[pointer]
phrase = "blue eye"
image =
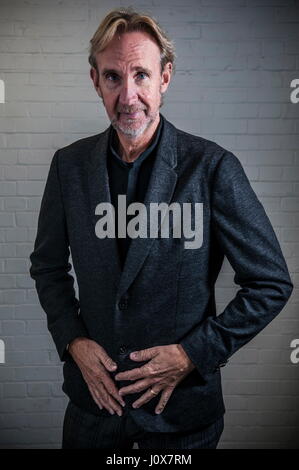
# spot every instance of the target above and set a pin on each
(113, 77)
(142, 75)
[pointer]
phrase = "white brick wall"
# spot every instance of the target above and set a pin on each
(236, 59)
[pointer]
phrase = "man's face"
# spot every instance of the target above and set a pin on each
(130, 82)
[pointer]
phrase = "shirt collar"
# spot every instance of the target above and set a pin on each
(113, 145)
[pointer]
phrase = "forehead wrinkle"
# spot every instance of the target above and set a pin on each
(141, 43)
(134, 53)
(131, 64)
(128, 56)
(142, 46)
(125, 55)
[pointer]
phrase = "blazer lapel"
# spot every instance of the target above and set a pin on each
(160, 189)
(99, 191)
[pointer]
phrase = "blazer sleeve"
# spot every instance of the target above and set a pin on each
(50, 267)
(248, 240)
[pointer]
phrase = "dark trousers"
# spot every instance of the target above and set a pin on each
(82, 430)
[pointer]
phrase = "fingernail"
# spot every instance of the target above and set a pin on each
(111, 412)
(119, 412)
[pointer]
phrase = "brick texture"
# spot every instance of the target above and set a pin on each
(236, 59)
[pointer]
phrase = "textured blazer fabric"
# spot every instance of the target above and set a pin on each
(165, 293)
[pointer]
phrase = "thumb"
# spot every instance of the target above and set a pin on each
(107, 362)
(143, 354)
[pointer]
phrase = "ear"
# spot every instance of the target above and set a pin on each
(166, 77)
(94, 75)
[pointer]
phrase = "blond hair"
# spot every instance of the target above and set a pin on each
(124, 20)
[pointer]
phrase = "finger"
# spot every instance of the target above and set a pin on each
(106, 360)
(100, 395)
(136, 387)
(105, 398)
(109, 401)
(114, 405)
(144, 354)
(134, 374)
(165, 395)
(104, 377)
(146, 397)
(95, 396)
(111, 388)
(92, 389)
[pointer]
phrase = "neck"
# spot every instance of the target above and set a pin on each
(130, 149)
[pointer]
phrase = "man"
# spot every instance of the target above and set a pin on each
(149, 295)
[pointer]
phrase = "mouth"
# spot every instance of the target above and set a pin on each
(134, 115)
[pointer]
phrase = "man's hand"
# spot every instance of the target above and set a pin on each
(167, 367)
(94, 363)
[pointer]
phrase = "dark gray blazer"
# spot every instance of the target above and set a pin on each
(165, 294)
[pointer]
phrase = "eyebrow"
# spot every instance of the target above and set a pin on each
(135, 69)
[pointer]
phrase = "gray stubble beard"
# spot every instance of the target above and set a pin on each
(131, 132)
(134, 133)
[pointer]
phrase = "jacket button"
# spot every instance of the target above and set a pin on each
(122, 350)
(123, 304)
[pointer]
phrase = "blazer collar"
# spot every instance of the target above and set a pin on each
(161, 187)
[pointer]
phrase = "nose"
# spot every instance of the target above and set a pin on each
(128, 93)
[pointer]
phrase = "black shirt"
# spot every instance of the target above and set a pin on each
(129, 178)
